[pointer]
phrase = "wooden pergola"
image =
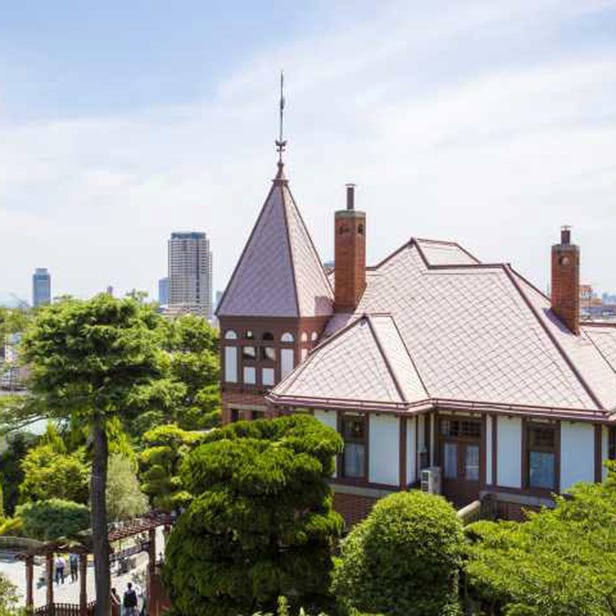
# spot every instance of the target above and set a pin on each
(28, 549)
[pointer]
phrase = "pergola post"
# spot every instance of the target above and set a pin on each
(83, 588)
(49, 577)
(152, 551)
(29, 584)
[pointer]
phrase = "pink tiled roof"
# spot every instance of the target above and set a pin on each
(476, 334)
(279, 273)
(365, 361)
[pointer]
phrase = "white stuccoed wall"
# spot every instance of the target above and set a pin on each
(384, 438)
(577, 453)
(489, 478)
(411, 454)
(329, 418)
(509, 452)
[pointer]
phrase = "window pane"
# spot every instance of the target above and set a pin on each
(542, 437)
(268, 353)
(250, 375)
(471, 462)
(230, 335)
(354, 428)
(611, 454)
(287, 337)
(450, 460)
(230, 364)
(267, 336)
(249, 352)
(541, 470)
(286, 362)
(249, 334)
(470, 428)
(354, 460)
(267, 376)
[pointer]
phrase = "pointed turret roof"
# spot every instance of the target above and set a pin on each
(279, 273)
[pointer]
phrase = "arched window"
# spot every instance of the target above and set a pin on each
(304, 337)
(230, 335)
(249, 334)
(360, 229)
(267, 336)
(287, 337)
(314, 336)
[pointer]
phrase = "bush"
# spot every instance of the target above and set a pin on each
(53, 519)
(403, 560)
(261, 524)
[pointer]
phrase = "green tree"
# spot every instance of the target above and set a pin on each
(51, 474)
(11, 471)
(86, 358)
(188, 394)
(124, 496)
(166, 447)
(8, 597)
(53, 519)
(261, 524)
(403, 559)
(559, 562)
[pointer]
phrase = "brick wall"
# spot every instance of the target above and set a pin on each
(243, 401)
(353, 508)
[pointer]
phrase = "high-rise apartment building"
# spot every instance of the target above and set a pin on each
(190, 274)
(41, 286)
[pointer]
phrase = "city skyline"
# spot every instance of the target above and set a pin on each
(492, 127)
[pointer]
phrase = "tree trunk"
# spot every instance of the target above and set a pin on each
(100, 539)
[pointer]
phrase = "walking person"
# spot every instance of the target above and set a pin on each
(130, 601)
(60, 564)
(73, 563)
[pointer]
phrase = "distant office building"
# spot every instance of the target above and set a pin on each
(41, 286)
(163, 291)
(190, 273)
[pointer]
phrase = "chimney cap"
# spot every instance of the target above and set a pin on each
(565, 234)
(350, 196)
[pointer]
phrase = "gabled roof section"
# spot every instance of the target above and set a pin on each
(445, 253)
(279, 273)
(364, 363)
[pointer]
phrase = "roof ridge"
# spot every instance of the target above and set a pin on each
(291, 255)
(510, 274)
(390, 369)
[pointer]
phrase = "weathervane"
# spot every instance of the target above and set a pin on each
(281, 144)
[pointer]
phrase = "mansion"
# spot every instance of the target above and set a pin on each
(429, 360)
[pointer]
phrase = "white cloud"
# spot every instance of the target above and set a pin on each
(446, 135)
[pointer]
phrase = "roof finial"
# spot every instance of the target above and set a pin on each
(281, 144)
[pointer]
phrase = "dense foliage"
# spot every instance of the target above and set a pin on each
(53, 519)
(165, 448)
(261, 524)
(49, 473)
(559, 562)
(11, 471)
(187, 393)
(403, 559)
(125, 499)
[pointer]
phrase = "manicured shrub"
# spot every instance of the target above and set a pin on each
(261, 525)
(403, 560)
(53, 519)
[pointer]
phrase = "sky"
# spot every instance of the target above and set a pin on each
(488, 123)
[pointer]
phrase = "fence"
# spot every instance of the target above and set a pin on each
(64, 609)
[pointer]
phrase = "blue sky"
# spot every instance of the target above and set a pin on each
(491, 123)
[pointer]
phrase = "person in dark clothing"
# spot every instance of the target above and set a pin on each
(73, 562)
(130, 601)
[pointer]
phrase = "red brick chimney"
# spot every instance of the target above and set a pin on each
(350, 254)
(566, 281)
